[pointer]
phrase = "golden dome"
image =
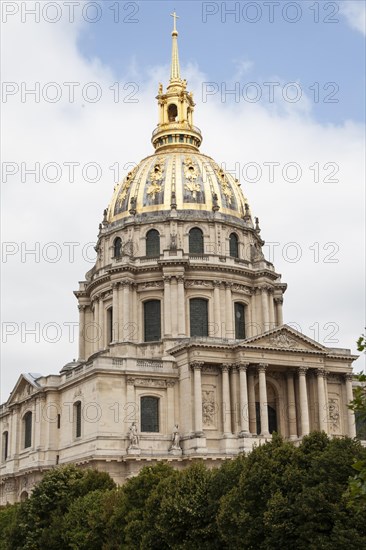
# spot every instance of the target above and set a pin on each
(177, 177)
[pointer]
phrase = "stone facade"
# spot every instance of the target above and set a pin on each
(209, 390)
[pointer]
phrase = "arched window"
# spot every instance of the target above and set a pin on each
(152, 243)
(172, 112)
(239, 313)
(198, 315)
(5, 445)
(27, 420)
(149, 414)
(234, 245)
(77, 418)
(117, 247)
(196, 241)
(152, 321)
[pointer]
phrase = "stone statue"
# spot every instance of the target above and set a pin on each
(133, 436)
(175, 439)
(160, 91)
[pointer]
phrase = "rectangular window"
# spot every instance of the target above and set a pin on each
(239, 321)
(5, 445)
(149, 414)
(77, 412)
(28, 430)
(198, 313)
(152, 322)
(58, 421)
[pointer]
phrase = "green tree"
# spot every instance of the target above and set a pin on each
(39, 519)
(293, 497)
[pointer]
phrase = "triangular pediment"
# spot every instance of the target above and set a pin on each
(24, 388)
(284, 338)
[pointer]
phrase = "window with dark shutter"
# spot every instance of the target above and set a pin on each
(118, 248)
(234, 245)
(152, 243)
(77, 418)
(198, 314)
(5, 445)
(27, 430)
(149, 414)
(239, 321)
(196, 241)
(152, 321)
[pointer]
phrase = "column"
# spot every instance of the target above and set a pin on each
(244, 404)
(226, 408)
(323, 411)
(248, 320)
(229, 312)
(350, 412)
(115, 327)
(173, 306)
(265, 310)
(97, 331)
(251, 403)
(217, 316)
(81, 333)
(126, 310)
(235, 405)
(131, 405)
(181, 308)
(167, 307)
(291, 411)
(304, 407)
(263, 404)
(197, 398)
(101, 331)
(279, 302)
(272, 319)
(120, 313)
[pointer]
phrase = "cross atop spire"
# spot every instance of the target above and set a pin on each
(175, 17)
(175, 69)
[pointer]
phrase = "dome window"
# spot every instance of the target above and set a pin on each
(234, 245)
(172, 112)
(117, 247)
(153, 243)
(196, 241)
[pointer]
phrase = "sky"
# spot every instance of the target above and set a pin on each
(280, 93)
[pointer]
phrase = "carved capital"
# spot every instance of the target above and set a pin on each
(348, 376)
(130, 381)
(180, 279)
(278, 300)
(196, 365)
(242, 366)
(167, 279)
(217, 284)
(302, 371)
(262, 367)
(321, 373)
(226, 367)
(81, 308)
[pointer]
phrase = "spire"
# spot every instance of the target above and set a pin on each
(175, 129)
(175, 70)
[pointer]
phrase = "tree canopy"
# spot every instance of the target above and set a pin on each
(278, 496)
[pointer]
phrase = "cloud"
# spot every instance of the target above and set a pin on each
(355, 13)
(321, 219)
